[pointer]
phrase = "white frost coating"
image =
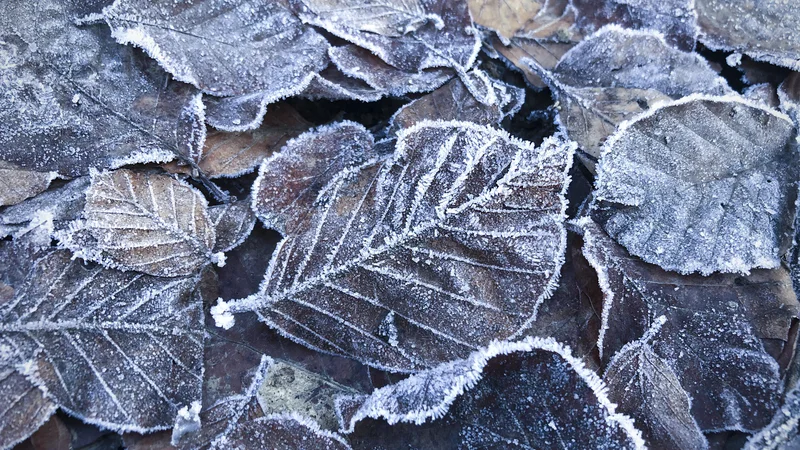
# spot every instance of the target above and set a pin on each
(143, 156)
(223, 441)
(462, 376)
(186, 421)
(602, 279)
(648, 336)
(222, 315)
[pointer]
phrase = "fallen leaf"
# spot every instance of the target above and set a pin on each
(232, 223)
(26, 408)
(789, 96)
(17, 184)
(56, 208)
(53, 435)
(151, 223)
(333, 84)
(782, 431)
(702, 184)
(281, 431)
(401, 262)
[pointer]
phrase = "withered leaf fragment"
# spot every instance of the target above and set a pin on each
(25, 407)
(415, 259)
(532, 394)
(150, 223)
(713, 336)
(703, 184)
(75, 99)
(118, 349)
(17, 184)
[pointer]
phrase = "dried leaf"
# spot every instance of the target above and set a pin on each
(56, 207)
(25, 407)
(17, 184)
(519, 51)
(703, 184)
(763, 30)
(402, 262)
(75, 99)
(387, 18)
(489, 401)
(281, 431)
(333, 84)
(232, 223)
(150, 223)
(121, 350)
(643, 386)
(713, 333)
(223, 48)
(505, 17)
(782, 432)
(441, 35)
(53, 435)
(789, 96)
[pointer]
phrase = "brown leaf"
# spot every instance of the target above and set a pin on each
(281, 431)
(25, 406)
(17, 184)
(232, 223)
(541, 20)
(53, 435)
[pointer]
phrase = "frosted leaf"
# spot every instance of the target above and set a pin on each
(390, 18)
(75, 99)
(232, 223)
(765, 31)
(287, 431)
(676, 19)
(60, 205)
(490, 400)
(715, 331)
(442, 36)
(764, 93)
(116, 349)
(454, 101)
(25, 407)
(17, 184)
(359, 63)
(545, 53)
(461, 227)
(643, 386)
(223, 48)
(150, 223)
(542, 20)
(789, 95)
(703, 184)
(616, 74)
(333, 84)
(782, 433)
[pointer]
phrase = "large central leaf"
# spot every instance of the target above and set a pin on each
(416, 259)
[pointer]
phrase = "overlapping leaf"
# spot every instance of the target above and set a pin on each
(531, 394)
(782, 432)
(704, 184)
(713, 332)
(402, 262)
(150, 223)
(17, 184)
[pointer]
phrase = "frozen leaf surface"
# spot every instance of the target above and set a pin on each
(644, 386)
(150, 223)
(17, 184)
(281, 431)
(441, 36)
(703, 184)
(223, 48)
(764, 30)
(232, 223)
(384, 17)
(75, 99)
(402, 262)
(714, 333)
(25, 407)
(783, 432)
(489, 401)
(58, 206)
(121, 350)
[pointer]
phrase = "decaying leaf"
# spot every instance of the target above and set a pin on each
(402, 262)
(223, 48)
(150, 223)
(75, 99)
(439, 35)
(121, 350)
(764, 30)
(17, 184)
(232, 223)
(702, 184)
(541, 20)
(713, 332)
(643, 386)
(783, 432)
(531, 394)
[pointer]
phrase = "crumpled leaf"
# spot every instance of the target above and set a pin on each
(763, 30)
(441, 36)
(616, 74)
(454, 101)
(75, 99)
(401, 262)
(703, 184)
(121, 350)
(223, 48)
(232, 223)
(333, 84)
(150, 223)
(643, 386)
(490, 400)
(17, 184)
(233, 154)
(714, 334)
(281, 431)
(782, 432)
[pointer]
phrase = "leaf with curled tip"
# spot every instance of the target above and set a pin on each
(439, 35)
(717, 328)
(117, 349)
(17, 184)
(532, 394)
(765, 31)
(281, 431)
(333, 84)
(250, 49)
(643, 386)
(150, 223)
(703, 184)
(75, 99)
(401, 262)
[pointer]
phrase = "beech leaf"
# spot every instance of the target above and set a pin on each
(232, 223)
(26, 407)
(401, 262)
(702, 184)
(150, 223)
(288, 431)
